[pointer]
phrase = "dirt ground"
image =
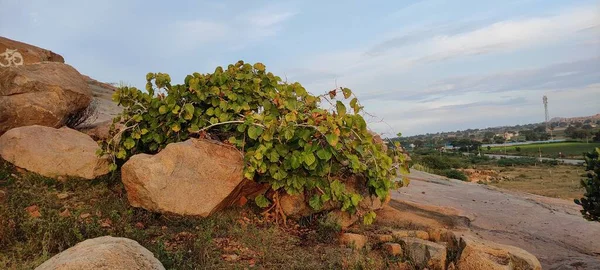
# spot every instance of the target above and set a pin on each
(551, 229)
(560, 181)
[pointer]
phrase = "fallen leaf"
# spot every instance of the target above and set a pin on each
(85, 215)
(230, 257)
(34, 211)
(139, 226)
(106, 223)
(62, 196)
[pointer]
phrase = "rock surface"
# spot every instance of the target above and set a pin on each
(53, 152)
(99, 131)
(195, 177)
(424, 253)
(41, 94)
(24, 54)
(481, 254)
(550, 229)
(106, 253)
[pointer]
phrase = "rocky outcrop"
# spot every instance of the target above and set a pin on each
(425, 254)
(195, 177)
(99, 131)
(41, 94)
(53, 152)
(14, 53)
(104, 253)
(481, 254)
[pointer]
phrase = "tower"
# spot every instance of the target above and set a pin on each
(547, 119)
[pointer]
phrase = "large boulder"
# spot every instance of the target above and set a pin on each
(194, 177)
(15, 53)
(103, 253)
(480, 254)
(45, 94)
(53, 152)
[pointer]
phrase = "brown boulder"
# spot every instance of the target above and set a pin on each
(392, 249)
(480, 254)
(295, 206)
(53, 152)
(15, 53)
(194, 177)
(41, 94)
(105, 253)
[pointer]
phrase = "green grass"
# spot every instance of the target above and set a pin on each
(99, 207)
(550, 150)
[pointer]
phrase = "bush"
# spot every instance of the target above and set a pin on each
(591, 198)
(288, 139)
(454, 174)
(504, 162)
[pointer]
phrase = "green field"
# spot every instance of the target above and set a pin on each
(551, 150)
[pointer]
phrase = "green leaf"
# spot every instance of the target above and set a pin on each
(254, 132)
(189, 111)
(309, 158)
(259, 67)
(341, 108)
(129, 143)
(176, 127)
(112, 167)
(332, 139)
(262, 201)
(176, 109)
(347, 92)
(324, 154)
(315, 202)
(369, 218)
(138, 118)
(163, 109)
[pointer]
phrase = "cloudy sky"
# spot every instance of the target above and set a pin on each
(419, 66)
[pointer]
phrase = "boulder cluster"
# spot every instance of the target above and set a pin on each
(39, 94)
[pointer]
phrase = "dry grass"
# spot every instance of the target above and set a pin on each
(100, 207)
(560, 181)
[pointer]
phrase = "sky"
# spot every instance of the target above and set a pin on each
(416, 66)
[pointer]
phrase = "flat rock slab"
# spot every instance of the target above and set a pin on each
(104, 253)
(53, 152)
(551, 229)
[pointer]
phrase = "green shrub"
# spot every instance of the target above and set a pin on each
(517, 162)
(591, 198)
(455, 174)
(288, 139)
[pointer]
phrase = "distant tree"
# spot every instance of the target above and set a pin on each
(586, 126)
(418, 143)
(554, 125)
(591, 198)
(530, 135)
(489, 148)
(540, 129)
(489, 134)
(569, 131)
(597, 137)
(518, 149)
(544, 136)
(563, 124)
(577, 124)
(486, 140)
(499, 139)
(587, 121)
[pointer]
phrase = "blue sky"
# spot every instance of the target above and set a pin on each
(418, 66)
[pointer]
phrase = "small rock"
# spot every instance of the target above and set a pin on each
(392, 249)
(65, 213)
(356, 241)
(62, 196)
(384, 238)
(34, 211)
(402, 266)
(480, 254)
(106, 223)
(230, 257)
(140, 226)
